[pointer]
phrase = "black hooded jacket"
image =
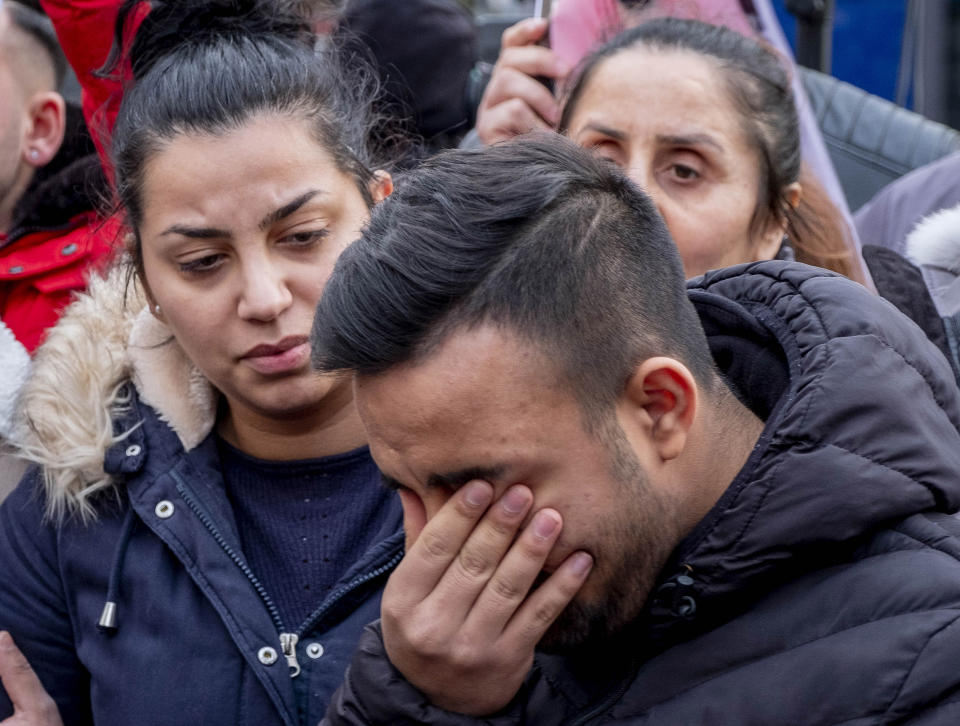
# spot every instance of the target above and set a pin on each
(824, 585)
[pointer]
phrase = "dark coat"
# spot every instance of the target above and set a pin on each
(824, 586)
(192, 621)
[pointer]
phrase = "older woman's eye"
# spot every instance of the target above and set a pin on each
(604, 149)
(684, 172)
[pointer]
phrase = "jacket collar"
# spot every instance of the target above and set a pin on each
(54, 202)
(158, 367)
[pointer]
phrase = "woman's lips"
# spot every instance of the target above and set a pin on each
(288, 355)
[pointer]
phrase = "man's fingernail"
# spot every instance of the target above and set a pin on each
(478, 494)
(581, 563)
(5, 640)
(545, 524)
(514, 501)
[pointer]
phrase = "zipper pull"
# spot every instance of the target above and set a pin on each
(288, 642)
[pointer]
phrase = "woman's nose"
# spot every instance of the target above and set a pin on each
(265, 293)
(647, 183)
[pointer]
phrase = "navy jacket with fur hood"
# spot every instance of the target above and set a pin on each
(130, 507)
(824, 586)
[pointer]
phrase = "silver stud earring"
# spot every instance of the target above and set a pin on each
(34, 154)
(156, 309)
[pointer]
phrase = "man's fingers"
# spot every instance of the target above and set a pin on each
(511, 583)
(511, 84)
(481, 554)
(526, 32)
(24, 689)
(440, 542)
(541, 609)
(414, 516)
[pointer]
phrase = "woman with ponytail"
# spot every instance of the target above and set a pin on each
(703, 119)
(203, 534)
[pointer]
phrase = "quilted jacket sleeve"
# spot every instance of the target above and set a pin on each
(32, 603)
(374, 692)
(930, 692)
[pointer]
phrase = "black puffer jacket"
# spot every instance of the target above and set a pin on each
(824, 586)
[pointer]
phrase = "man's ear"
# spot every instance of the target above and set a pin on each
(47, 117)
(381, 186)
(661, 398)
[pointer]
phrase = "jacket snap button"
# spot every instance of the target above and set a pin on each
(267, 656)
(69, 249)
(314, 650)
(164, 509)
(133, 450)
(15, 270)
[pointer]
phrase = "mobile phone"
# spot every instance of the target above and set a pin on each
(541, 9)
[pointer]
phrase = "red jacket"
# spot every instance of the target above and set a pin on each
(49, 257)
(40, 271)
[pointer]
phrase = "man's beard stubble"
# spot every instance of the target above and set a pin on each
(629, 554)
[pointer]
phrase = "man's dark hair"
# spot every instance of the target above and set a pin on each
(39, 28)
(537, 236)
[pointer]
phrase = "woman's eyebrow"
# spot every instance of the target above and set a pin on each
(287, 209)
(196, 232)
(606, 131)
(688, 140)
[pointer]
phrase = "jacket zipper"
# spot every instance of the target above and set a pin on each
(15, 235)
(348, 588)
(288, 641)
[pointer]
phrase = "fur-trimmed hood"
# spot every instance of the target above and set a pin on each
(77, 390)
(934, 246)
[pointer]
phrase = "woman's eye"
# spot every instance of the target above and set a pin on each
(607, 152)
(201, 265)
(684, 172)
(306, 238)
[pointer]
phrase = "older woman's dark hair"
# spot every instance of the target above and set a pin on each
(207, 67)
(759, 86)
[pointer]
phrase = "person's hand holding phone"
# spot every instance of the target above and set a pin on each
(515, 101)
(459, 619)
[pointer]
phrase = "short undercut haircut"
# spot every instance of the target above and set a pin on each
(536, 236)
(37, 28)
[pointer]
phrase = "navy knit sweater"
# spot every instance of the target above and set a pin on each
(303, 523)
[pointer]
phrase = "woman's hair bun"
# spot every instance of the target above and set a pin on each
(173, 24)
